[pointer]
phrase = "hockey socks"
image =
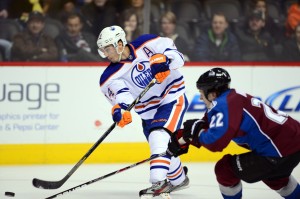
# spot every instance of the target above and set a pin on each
(231, 192)
(295, 194)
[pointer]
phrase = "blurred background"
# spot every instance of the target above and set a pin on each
(203, 30)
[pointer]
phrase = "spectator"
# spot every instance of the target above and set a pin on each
(98, 15)
(291, 49)
(128, 21)
(168, 29)
(256, 44)
(52, 7)
(293, 18)
(32, 44)
(82, 2)
(78, 45)
(16, 11)
(270, 25)
(6, 32)
(5, 49)
(3, 9)
(217, 43)
(60, 9)
(138, 7)
(68, 8)
(20, 9)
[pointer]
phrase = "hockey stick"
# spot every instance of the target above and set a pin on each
(43, 184)
(107, 175)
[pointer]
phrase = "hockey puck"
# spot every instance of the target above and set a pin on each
(10, 194)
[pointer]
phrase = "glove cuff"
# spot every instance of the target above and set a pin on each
(159, 59)
(114, 108)
(194, 130)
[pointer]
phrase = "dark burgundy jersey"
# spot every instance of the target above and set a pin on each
(249, 122)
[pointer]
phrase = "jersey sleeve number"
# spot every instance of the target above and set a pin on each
(216, 120)
(279, 117)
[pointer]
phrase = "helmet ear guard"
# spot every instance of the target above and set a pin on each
(216, 79)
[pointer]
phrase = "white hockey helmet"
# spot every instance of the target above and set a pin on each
(110, 36)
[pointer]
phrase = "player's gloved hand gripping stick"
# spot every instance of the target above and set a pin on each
(160, 67)
(56, 184)
(120, 118)
(182, 138)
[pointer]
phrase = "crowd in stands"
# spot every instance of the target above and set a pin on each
(203, 30)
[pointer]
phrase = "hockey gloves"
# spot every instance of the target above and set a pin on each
(121, 118)
(191, 131)
(177, 146)
(160, 67)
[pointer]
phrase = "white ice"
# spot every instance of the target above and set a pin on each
(124, 185)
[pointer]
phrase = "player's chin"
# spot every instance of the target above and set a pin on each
(112, 59)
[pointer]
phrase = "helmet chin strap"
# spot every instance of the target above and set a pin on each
(120, 53)
(206, 96)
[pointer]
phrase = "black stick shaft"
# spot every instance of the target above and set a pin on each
(56, 184)
(106, 176)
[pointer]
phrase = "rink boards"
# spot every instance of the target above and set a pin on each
(53, 113)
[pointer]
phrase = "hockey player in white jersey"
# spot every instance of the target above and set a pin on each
(161, 109)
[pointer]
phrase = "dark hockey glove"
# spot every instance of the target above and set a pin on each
(177, 146)
(191, 131)
(160, 67)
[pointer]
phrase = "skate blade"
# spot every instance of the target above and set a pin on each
(165, 196)
(181, 188)
(146, 196)
(150, 196)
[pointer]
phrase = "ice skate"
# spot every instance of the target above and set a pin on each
(164, 188)
(161, 188)
(184, 184)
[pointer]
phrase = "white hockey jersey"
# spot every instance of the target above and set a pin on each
(122, 82)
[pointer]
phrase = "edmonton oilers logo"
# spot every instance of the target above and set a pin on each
(141, 74)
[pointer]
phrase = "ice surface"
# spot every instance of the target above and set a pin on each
(125, 185)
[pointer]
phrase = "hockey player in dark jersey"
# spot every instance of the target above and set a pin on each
(271, 136)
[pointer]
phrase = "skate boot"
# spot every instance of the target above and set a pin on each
(184, 184)
(161, 188)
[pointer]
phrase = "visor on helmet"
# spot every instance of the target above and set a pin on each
(110, 36)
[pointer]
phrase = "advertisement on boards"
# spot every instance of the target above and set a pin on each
(57, 105)
(65, 104)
